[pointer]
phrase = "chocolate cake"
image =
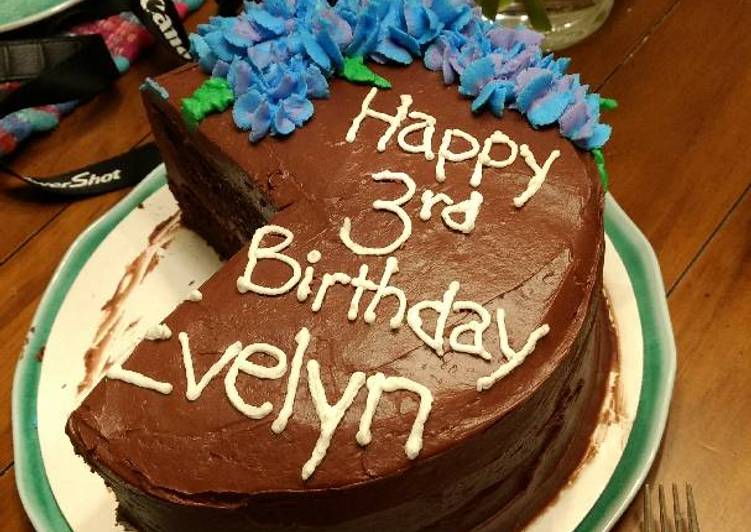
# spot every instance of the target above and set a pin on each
(409, 332)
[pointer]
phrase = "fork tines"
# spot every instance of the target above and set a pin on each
(681, 524)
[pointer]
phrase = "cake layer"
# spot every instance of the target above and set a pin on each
(492, 456)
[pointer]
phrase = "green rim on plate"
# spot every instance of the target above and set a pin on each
(657, 377)
(31, 478)
(16, 14)
(640, 451)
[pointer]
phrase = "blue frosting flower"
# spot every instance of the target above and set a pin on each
(516, 74)
(276, 57)
(274, 100)
(279, 54)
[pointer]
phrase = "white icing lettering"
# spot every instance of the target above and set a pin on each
(313, 256)
(393, 121)
(466, 337)
(429, 199)
(442, 308)
(303, 289)
(361, 283)
(118, 373)
(377, 384)
(256, 253)
(328, 280)
(427, 124)
(384, 289)
(477, 328)
(394, 206)
(513, 358)
(280, 423)
(471, 209)
(540, 173)
(329, 415)
(444, 154)
(193, 390)
(241, 363)
(484, 158)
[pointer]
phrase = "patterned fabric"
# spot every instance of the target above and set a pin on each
(125, 38)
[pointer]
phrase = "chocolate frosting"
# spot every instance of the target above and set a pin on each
(499, 452)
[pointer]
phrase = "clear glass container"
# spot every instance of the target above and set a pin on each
(571, 20)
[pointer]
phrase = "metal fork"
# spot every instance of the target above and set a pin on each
(680, 524)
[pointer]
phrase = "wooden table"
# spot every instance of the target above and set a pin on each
(679, 165)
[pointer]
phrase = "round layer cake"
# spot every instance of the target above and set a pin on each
(409, 333)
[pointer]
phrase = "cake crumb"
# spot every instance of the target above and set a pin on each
(158, 332)
(195, 295)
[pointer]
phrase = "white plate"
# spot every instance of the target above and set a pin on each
(51, 477)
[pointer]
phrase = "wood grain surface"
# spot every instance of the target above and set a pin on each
(679, 165)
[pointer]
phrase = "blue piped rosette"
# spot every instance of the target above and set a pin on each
(278, 55)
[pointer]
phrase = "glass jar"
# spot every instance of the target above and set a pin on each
(570, 20)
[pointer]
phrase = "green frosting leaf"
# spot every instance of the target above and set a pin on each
(356, 71)
(608, 104)
(213, 96)
(600, 164)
